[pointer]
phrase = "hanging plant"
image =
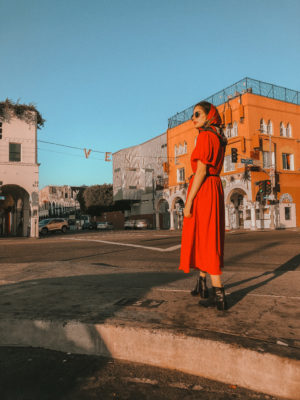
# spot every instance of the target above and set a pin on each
(25, 112)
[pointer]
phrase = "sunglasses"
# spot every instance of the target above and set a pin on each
(196, 114)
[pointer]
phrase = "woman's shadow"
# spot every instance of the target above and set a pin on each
(235, 297)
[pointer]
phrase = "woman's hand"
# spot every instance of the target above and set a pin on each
(187, 210)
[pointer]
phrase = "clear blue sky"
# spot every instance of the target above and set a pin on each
(107, 74)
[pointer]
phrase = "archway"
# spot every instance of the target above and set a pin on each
(14, 211)
(177, 212)
(236, 210)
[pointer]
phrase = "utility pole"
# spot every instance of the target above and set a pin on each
(153, 198)
(272, 178)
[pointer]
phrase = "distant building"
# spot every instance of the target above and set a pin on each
(55, 201)
(262, 121)
(19, 171)
(139, 178)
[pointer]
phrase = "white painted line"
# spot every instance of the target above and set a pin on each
(127, 244)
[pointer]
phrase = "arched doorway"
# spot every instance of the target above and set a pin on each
(14, 211)
(178, 206)
(237, 211)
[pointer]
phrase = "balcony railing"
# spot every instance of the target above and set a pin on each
(246, 85)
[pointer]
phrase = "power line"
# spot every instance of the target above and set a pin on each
(72, 147)
(70, 155)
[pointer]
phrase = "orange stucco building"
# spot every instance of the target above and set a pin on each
(262, 121)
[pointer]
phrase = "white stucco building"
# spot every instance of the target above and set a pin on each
(19, 175)
(139, 178)
(58, 200)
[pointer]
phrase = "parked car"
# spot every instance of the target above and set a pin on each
(129, 224)
(89, 225)
(52, 225)
(141, 224)
(105, 225)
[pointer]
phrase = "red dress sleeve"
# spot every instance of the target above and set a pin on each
(204, 150)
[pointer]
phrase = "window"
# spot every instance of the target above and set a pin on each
(234, 131)
(0, 130)
(288, 130)
(287, 213)
(266, 159)
(270, 127)
(248, 215)
(263, 126)
(180, 175)
(66, 195)
(282, 129)
(228, 165)
(228, 131)
(14, 152)
(288, 161)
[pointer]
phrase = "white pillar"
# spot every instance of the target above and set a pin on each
(253, 217)
(171, 220)
(157, 220)
(227, 218)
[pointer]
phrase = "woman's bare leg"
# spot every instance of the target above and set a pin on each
(216, 280)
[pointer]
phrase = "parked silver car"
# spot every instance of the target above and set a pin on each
(105, 225)
(141, 224)
(129, 224)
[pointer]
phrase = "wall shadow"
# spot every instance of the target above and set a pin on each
(43, 308)
(236, 296)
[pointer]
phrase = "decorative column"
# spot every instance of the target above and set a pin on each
(171, 220)
(34, 220)
(157, 220)
(253, 217)
(227, 218)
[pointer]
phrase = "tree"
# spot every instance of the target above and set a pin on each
(98, 199)
(80, 199)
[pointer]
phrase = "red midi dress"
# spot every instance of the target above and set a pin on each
(202, 244)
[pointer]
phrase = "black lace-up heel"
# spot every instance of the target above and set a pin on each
(220, 298)
(200, 288)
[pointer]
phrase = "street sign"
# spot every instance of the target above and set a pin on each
(247, 161)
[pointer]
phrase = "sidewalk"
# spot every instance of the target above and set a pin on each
(150, 317)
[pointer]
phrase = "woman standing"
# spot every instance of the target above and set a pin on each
(202, 245)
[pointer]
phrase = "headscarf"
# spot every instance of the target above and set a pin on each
(213, 120)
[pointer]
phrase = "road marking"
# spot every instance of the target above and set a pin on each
(128, 244)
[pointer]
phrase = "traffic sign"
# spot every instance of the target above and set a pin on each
(247, 161)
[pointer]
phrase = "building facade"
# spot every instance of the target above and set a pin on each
(56, 201)
(19, 174)
(139, 177)
(262, 122)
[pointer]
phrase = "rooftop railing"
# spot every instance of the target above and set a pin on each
(246, 85)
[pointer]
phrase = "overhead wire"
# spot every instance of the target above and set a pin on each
(103, 152)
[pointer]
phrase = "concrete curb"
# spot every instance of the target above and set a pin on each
(224, 362)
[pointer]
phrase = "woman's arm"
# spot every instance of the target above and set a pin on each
(197, 182)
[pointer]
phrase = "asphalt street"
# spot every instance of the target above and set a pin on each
(243, 249)
(71, 276)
